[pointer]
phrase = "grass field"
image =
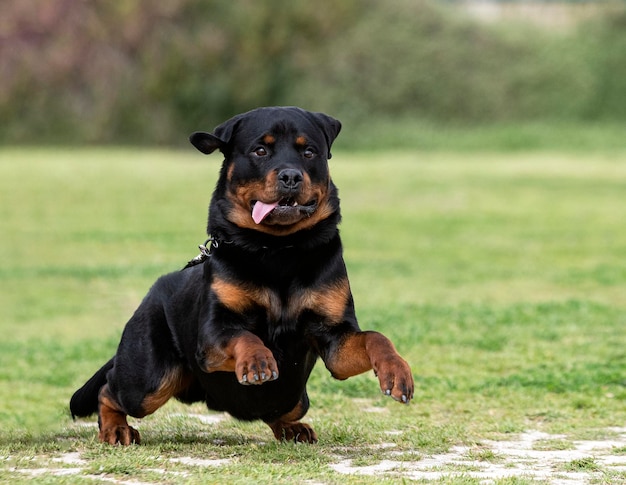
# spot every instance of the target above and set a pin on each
(501, 277)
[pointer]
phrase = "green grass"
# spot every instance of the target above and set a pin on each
(407, 133)
(501, 277)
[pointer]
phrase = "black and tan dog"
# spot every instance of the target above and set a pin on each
(242, 328)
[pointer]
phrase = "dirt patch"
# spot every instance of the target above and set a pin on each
(527, 456)
(532, 455)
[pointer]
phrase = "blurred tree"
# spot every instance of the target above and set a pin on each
(146, 71)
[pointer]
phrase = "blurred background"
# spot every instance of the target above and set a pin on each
(150, 72)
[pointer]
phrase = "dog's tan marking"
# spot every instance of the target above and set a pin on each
(351, 357)
(265, 190)
(289, 428)
(240, 298)
(229, 173)
(246, 355)
(269, 139)
(301, 141)
(358, 353)
(232, 296)
(173, 383)
(329, 301)
(361, 351)
(241, 198)
(112, 421)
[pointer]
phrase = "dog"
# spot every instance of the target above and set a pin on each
(242, 326)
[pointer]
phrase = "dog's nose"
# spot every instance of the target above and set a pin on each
(290, 178)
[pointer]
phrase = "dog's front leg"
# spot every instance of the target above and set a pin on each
(356, 352)
(242, 353)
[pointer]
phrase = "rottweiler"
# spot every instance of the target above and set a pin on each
(242, 326)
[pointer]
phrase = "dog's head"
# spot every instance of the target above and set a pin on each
(275, 176)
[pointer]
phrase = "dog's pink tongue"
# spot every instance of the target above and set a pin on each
(261, 210)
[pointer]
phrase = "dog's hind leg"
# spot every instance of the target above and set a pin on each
(114, 428)
(113, 410)
(289, 428)
(147, 369)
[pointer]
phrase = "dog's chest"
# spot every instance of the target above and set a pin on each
(328, 300)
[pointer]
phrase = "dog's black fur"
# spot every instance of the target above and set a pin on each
(243, 329)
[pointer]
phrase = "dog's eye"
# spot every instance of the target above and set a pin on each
(260, 151)
(308, 153)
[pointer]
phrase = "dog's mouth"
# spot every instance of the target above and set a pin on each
(284, 211)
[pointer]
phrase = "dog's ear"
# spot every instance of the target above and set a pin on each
(220, 138)
(330, 127)
(205, 142)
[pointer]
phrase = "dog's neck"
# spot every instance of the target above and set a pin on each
(229, 236)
